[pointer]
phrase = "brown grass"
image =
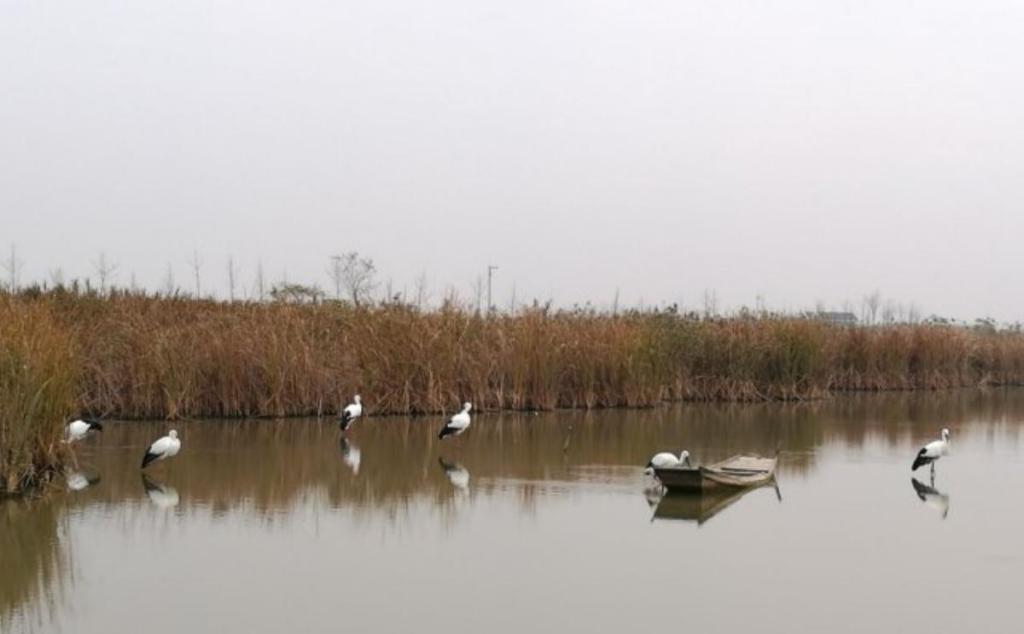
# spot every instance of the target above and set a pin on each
(37, 390)
(138, 356)
(150, 357)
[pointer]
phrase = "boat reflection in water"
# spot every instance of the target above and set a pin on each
(931, 496)
(701, 506)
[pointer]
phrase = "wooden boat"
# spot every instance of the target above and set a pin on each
(736, 472)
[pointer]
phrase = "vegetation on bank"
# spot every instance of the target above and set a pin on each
(37, 391)
(133, 355)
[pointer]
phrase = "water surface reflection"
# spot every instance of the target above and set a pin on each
(535, 516)
(931, 496)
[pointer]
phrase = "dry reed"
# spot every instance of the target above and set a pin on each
(37, 390)
(142, 356)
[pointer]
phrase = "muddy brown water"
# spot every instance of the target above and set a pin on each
(280, 526)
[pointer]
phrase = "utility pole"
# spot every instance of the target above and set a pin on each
(490, 273)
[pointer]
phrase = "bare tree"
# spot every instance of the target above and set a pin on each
(889, 312)
(12, 266)
(197, 264)
(914, 313)
(710, 303)
(57, 277)
(512, 302)
(105, 270)
(422, 293)
(335, 271)
(260, 281)
(871, 304)
(232, 277)
(848, 307)
(169, 286)
(358, 276)
(478, 292)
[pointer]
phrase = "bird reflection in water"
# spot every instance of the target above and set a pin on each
(931, 496)
(457, 475)
(351, 455)
(160, 494)
(82, 479)
(653, 495)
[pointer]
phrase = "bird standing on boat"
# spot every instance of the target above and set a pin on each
(665, 460)
(932, 452)
(457, 424)
(162, 449)
(78, 429)
(351, 413)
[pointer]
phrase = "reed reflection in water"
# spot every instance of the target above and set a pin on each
(268, 526)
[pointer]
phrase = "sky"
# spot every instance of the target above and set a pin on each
(786, 153)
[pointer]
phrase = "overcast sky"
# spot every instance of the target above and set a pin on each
(797, 151)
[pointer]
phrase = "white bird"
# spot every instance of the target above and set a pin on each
(931, 497)
(351, 455)
(162, 449)
(458, 423)
(932, 452)
(665, 460)
(351, 413)
(160, 494)
(78, 429)
(457, 475)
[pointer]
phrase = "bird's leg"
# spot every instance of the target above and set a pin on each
(933, 476)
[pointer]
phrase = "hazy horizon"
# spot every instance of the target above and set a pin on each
(784, 154)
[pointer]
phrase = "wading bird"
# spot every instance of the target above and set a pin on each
(932, 452)
(78, 429)
(162, 449)
(665, 460)
(457, 424)
(351, 413)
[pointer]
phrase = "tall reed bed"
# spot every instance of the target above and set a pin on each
(37, 391)
(141, 356)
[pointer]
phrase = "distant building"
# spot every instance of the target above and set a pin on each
(838, 318)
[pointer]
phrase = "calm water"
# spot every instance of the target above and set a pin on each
(278, 526)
